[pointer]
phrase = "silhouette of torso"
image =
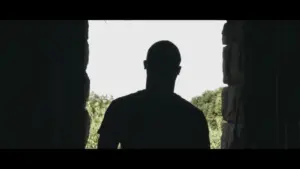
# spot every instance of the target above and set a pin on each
(148, 120)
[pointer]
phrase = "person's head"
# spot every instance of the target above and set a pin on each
(163, 62)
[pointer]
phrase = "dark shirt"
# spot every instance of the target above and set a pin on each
(148, 120)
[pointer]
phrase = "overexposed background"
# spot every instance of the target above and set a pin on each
(118, 49)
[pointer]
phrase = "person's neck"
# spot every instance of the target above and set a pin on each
(159, 87)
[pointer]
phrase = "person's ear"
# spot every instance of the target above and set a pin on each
(178, 70)
(145, 64)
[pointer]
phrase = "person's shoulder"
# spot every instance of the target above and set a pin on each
(119, 105)
(129, 98)
(188, 106)
(185, 103)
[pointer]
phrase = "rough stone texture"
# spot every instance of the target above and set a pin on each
(228, 135)
(224, 108)
(231, 96)
(269, 112)
(44, 79)
(233, 75)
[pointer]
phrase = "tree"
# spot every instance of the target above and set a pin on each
(96, 107)
(210, 103)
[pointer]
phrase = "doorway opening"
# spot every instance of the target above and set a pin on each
(118, 49)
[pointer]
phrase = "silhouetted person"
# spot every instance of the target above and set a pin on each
(155, 117)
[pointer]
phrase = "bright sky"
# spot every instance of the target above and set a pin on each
(118, 49)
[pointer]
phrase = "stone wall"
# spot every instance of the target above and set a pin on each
(233, 76)
(266, 74)
(248, 66)
(43, 83)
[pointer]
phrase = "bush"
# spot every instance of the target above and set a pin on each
(96, 106)
(209, 102)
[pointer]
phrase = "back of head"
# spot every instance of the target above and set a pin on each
(163, 58)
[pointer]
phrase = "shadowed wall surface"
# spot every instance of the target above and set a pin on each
(44, 84)
(44, 73)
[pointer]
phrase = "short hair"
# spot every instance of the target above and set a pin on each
(164, 53)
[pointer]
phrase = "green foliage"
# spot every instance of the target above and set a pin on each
(96, 106)
(210, 103)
